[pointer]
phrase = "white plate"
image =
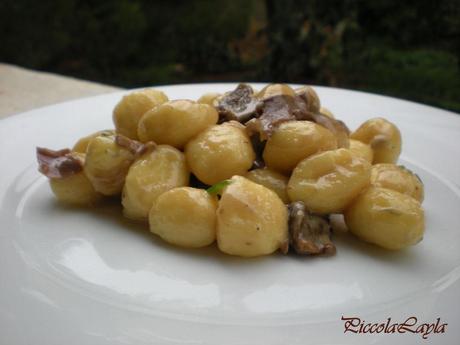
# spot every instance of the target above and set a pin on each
(88, 277)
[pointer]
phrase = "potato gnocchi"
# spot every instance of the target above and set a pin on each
(160, 169)
(253, 171)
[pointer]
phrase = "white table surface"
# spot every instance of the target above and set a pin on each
(23, 89)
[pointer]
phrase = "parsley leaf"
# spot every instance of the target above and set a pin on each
(217, 188)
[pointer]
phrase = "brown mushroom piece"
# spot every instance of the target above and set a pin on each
(310, 97)
(309, 234)
(239, 105)
(58, 164)
(276, 110)
(337, 127)
(67, 178)
(135, 147)
(281, 108)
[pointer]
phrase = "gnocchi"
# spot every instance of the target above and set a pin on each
(383, 137)
(275, 90)
(219, 152)
(209, 98)
(107, 163)
(362, 150)
(387, 218)
(272, 180)
(251, 219)
(255, 172)
(397, 178)
(67, 177)
(327, 182)
(185, 217)
(132, 107)
(294, 141)
(176, 122)
(82, 144)
(75, 189)
(157, 171)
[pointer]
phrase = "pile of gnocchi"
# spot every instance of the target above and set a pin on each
(254, 171)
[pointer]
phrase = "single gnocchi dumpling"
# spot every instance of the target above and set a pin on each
(82, 144)
(219, 152)
(272, 90)
(209, 98)
(327, 182)
(75, 189)
(108, 158)
(272, 180)
(176, 122)
(398, 178)
(387, 218)
(362, 150)
(67, 177)
(132, 107)
(158, 170)
(251, 219)
(295, 140)
(185, 217)
(383, 137)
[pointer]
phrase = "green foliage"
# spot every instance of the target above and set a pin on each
(407, 49)
(428, 76)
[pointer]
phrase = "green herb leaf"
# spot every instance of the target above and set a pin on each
(217, 188)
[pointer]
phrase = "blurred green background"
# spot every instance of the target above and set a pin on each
(409, 49)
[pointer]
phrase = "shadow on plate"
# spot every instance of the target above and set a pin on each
(111, 211)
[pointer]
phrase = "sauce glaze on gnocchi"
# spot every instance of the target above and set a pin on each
(254, 171)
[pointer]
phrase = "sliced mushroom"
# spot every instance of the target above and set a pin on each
(135, 147)
(263, 116)
(281, 108)
(337, 127)
(239, 105)
(276, 110)
(308, 234)
(310, 97)
(58, 164)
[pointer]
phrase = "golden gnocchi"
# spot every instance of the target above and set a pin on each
(75, 189)
(294, 141)
(107, 163)
(272, 180)
(327, 182)
(398, 178)
(176, 122)
(82, 144)
(275, 90)
(185, 217)
(251, 219)
(362, 150)
(383, 137)
(67, 177)
(219, 152)
(209, 98)
(387, 218)
(157, 171)
(132, 107)
(255, 172)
